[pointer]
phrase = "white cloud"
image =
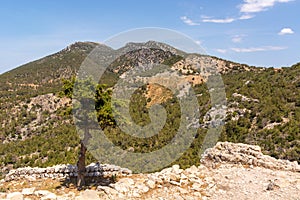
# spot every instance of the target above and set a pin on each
(285, 31)
(247, 8)
(220, 21)
(222, 50)
(247, 16)
(237, 38)
(253, 6)
(205, 17)
(198, 42)
(188, 21)
(255, 49)
(208, 19)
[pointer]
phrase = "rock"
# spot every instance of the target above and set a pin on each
(155, 178)
(108, 190)
(174, 177)
(28, 191)
(14, 196)
(57, 168)
(50, 196)
(176, 169)
(272, 185)
(88, 195)
(42, 192)
(127, 181)
(166, 171)
(183, 191)
(123, 185)
(192, 170)
(122, 188)
(175, 183)
(136, 194)
(2, 195)
(150, 184)
(68, 196)
(196, 187)
(178, 198)
(238, 153)
(142, 188)
(197, 194)
(189, 198)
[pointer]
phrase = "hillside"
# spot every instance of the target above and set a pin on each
(37, 129)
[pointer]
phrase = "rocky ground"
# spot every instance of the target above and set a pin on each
(228, 171)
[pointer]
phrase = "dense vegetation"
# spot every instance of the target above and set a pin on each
(278, 92)
(35, 78)
(263, 109)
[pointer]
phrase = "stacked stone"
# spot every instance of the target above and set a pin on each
(226, 152)
(170, 183)
(66, 171)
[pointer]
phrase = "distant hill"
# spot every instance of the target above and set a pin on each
(45, 74)
(37, 129)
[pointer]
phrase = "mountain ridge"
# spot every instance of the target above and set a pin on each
(263, 107)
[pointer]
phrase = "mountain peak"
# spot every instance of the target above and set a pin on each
(83, 46)
(154, 45)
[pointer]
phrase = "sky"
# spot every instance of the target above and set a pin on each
(254, 32)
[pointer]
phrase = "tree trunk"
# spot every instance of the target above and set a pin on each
(81, 158)
(81, 166)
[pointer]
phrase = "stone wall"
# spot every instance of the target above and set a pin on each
(67, 171)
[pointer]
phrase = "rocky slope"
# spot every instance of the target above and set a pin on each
(36, 126)
(227, 171)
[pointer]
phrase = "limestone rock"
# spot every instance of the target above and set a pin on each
(14, 196)
(49, 196)
(150, 184)
(2, 195)
(65, 171)
(88, 195)
(238, 153)
(28, 191)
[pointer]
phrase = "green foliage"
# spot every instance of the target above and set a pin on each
(103, 106)
(277, 95)
(67, 88)
(55, 146)
(172, 60)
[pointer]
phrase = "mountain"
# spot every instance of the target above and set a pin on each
(45, 74)
(37, 128)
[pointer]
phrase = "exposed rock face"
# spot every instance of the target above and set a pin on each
(226, 173)
(226, 152)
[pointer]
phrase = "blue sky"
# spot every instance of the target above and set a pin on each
(255, 32)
